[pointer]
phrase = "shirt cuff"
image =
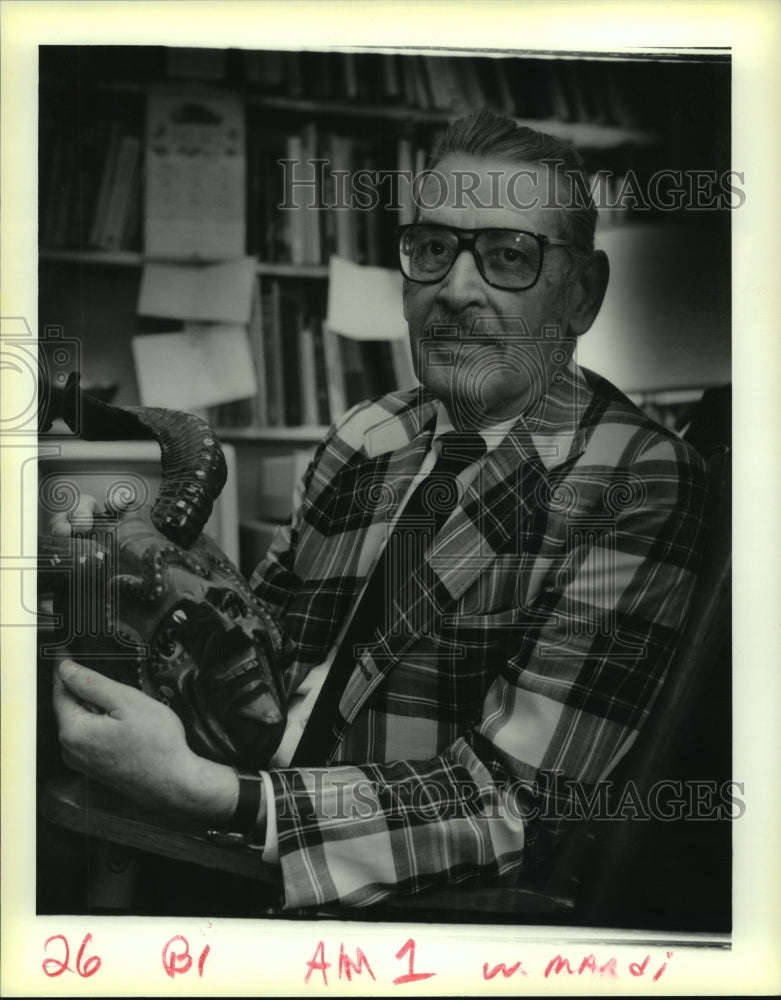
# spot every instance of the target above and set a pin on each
(271, 847)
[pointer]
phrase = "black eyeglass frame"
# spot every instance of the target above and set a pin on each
(467, 239)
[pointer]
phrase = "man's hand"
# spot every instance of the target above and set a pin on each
(81, 517)
(136, 745)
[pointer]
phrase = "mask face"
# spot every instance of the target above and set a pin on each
(182, 625)
(147, 599)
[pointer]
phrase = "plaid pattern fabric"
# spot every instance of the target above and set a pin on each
(525, 651)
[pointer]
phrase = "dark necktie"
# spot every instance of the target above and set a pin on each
(426, 510)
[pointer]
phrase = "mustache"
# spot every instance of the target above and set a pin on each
(471, 324)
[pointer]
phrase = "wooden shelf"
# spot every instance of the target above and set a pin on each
(124, 258)
(590, 134)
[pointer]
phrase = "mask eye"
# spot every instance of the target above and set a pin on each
(234, 607)
(168, 647)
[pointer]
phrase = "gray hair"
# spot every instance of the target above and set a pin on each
(488, 135)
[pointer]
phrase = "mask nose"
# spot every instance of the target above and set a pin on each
(264, 708)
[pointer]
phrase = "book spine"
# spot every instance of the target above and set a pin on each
(356, 375)
(121, 190)
(332, 358)
(406, 162)
(295, 216)
(346, 229)
(259, 408)
(321, 374)
(272, 345)
(104, 193)
(311, 213)
(307, 374)
(289, 319)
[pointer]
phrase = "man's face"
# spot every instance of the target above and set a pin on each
(489, 354)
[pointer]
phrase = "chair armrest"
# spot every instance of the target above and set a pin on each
(74, 802)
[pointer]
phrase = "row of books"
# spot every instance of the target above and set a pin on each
(90, 185)
(92, 171)
(306, 374)
(570, 90)
(629, 93)
(92, 196)
(348, 206)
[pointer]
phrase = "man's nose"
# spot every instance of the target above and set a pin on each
(463, 286)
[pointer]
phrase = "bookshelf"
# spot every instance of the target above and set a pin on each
(374, 110)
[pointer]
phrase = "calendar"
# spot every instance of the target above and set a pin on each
(194, 205)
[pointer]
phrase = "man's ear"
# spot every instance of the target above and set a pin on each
(589, 291)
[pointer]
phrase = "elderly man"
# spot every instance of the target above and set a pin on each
(484, 579)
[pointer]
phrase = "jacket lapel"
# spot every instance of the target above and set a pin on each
(501, 510)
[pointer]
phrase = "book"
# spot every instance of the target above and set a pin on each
(294, 217)
(195, 63)
(272, 239)
(311, 212)
(355, 373)
(438, 78)
(89, 154)
(123, 185)
(367, 220)
(272, 360)
(290, 320)
(258, 416)
(307, 372)
(321, 372)
(391, 78)
(104, 191)
(334, 370)
(341, 161)
(350, 76)
(58, 186)
(405, 161)
(265, 68)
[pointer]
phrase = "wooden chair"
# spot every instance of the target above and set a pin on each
(576, 888)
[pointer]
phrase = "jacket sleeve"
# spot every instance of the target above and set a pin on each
(572, 688)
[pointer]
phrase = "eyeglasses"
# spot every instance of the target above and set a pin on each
(509, 259)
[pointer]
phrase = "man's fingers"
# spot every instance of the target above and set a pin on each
(81, 517)
(92, 687)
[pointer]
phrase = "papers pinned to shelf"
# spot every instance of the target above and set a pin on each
(205, 293)
(364, 303)
(204, 365)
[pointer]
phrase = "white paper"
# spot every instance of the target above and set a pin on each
(364, 303)
(202, 366)
(195, 174)
(208, 293)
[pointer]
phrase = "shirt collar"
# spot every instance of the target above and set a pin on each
(493, 434)
(552, 421)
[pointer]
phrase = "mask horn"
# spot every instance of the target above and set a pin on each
(193, 465)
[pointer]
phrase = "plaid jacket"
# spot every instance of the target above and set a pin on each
(525, 651)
